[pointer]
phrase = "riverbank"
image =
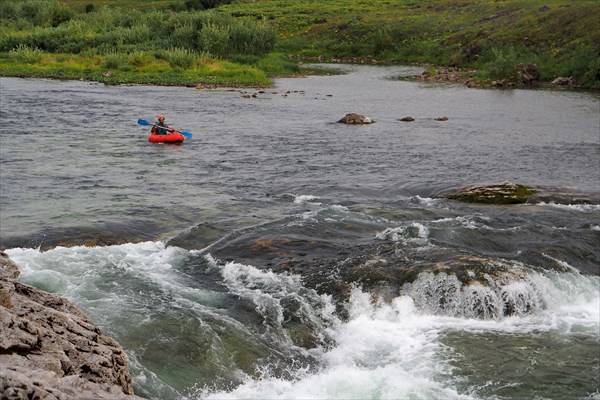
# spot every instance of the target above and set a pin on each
(249, 43)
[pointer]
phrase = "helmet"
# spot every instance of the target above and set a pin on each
(160, 117)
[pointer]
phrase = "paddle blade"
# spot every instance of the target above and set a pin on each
(143, 122)
(187, 134)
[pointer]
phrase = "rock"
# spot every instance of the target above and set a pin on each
(354, 119)
(504, 193)
(50, 349)
(441, 118)
(528, 73)
(407, 119)
(8, 269)
(562, 81)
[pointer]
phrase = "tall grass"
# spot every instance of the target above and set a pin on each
(53, 27)
(25, 54)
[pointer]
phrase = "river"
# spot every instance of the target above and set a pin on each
(280, 254)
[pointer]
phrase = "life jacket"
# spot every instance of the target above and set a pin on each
(159, 129)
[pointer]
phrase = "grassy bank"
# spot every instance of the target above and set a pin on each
(245, 43)
(136, 45)
(561, 37)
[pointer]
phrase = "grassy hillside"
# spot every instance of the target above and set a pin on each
(562, 37)
(160, 42)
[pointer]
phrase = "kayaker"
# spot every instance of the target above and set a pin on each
(160, 128)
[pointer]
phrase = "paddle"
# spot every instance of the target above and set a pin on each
(146, 123)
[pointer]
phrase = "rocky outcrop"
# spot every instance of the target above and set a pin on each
(504, 193)
(49, 349)
(354, 119)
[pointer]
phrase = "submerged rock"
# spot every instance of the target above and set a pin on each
(50, 349)
(504, 193)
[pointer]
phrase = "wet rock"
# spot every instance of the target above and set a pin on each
(50, 349)
(355, 119)
(441, 118)
(407, 119)
(504, 193)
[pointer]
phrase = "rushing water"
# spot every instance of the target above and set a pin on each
(279, 254)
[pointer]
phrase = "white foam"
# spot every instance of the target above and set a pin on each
(385, 351)
(304, 198)
(573, 207)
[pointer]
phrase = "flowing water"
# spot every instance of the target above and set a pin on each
(280, 254)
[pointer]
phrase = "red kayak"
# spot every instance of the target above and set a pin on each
(174, 137)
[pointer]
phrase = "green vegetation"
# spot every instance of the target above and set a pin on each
(561, 37)
(118, 45)
(245, 42)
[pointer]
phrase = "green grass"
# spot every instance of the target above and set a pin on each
(562, 37)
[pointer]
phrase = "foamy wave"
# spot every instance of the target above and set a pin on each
(573, 207)
(305, 198)
(413, 231)
(566, 296)
(385, 350)
(424, 201)
(272, 294)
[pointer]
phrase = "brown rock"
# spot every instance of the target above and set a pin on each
(354, 119)
(50, 349)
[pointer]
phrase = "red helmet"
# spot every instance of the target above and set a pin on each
(160, 117)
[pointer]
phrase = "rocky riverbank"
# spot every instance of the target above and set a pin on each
(49, 349)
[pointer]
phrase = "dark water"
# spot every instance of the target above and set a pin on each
(280, 254)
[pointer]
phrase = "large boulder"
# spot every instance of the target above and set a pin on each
(354, 119)
(503, 193)
(50, 349)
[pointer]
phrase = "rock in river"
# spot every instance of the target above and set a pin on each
(504, 193)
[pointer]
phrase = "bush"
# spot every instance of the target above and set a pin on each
(184, 36)
(204, 4)
(501, 63)
(139, 59)
(181, 58)
(214, 39)
(25, 54)
(114, 60)
(39, 13)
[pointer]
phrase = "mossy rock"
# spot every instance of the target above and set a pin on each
(504, 193)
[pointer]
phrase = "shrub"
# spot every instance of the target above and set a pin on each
(25, 54)
(181, 58)
(214, 39)
(204, 4)
(184, 36)
(140, 58)
(501, 63)
(114, 60)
